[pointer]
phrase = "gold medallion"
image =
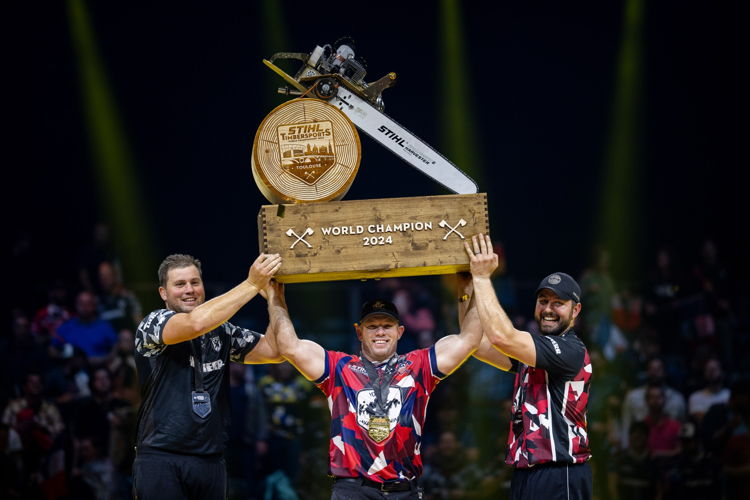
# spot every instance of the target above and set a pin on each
(305, 150)
(378, 428)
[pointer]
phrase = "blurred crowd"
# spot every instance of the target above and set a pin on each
(670, 403)
(668, 415)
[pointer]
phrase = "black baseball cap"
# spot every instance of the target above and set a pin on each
(379, 306)
(563, 285)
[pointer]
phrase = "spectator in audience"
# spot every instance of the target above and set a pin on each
(448, 417)
(692, 474)
(664, 431)
(22, 352)
(93, 414)
(91, 476)
(605, 418)
(11, 463)
(40, 426)
(635, 408)
(713, 279)
(714, 391)
(87, 331)
(663, 288)
(285, 394)
(730, 438)
(98, 249)
(122, 367)
(598, 293)
(417, 317)
(248, 434)
(117, 304)
(48, 318)
(67, 379)
(633, 473)
(31, 413)
(451, 471)
(122, 421)
(627, 311)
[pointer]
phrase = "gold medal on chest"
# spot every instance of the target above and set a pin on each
(378, 428)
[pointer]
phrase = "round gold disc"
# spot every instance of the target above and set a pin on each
(305, 150)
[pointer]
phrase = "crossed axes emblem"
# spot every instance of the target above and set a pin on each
(308, 231)
(452, 229)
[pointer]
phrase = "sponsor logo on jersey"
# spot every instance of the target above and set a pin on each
(216, 343)
(209, 367)
(555, 345)
(366, 401)
(357, 368)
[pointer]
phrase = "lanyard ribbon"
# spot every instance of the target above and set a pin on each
(200, 399)
(197, 366)
(380, 385)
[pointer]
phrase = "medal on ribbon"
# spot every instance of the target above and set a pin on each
(379, 425)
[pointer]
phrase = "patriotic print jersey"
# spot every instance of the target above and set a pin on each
(548, 419)
(346, 385)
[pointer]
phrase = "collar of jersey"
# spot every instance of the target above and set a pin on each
(380, 364)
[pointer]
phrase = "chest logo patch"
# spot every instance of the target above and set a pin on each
(366, 401)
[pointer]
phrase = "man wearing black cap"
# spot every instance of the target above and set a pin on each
(377, 398)
(548, 440)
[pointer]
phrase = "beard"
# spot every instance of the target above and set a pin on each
(555, 331)
(563, 325)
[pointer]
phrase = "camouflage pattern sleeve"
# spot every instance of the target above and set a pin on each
(148, 336)
(243, 341)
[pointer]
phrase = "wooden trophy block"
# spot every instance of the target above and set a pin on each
(378, 238)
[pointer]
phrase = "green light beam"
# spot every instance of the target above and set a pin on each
(113, 166)
(458, 130)
(621, 196)
(274, 39)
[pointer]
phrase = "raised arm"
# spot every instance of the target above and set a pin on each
(489, 354)
(212, 313)
(265, 351)
(485, 352)
(465, 292)
(307, 356)
(452, 350)
(496, 324)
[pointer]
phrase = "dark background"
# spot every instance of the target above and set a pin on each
(191, 90)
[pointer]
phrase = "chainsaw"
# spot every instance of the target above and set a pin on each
(334, 75)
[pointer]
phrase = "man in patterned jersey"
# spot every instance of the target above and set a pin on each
(377, 398)
(184, 415)
(548, 441)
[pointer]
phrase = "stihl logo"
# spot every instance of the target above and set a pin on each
(391, 135)
(304, 129)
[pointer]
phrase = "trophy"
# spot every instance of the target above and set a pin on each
(306, 154)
